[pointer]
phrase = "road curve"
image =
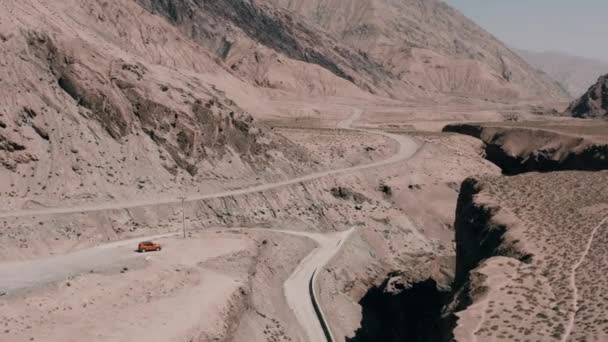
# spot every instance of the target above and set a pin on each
(407, 148)
(300, 288)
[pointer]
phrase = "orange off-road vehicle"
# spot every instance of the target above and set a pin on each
(148, 246)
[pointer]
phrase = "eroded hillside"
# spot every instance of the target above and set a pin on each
(87, 116)
(428, 46)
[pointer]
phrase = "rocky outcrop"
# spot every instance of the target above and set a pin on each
(594, 103)
(86, 86)
(479, 235)
(84, 122)
(348, 194)
(519, 150)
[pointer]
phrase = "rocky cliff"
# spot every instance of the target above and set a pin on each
(516, 149)
(526, 254)
(594, 103)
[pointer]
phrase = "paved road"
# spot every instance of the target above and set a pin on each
(407, 148)
(299, 297)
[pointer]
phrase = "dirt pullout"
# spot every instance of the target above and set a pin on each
(516, 149)
(136, 295)
(530, 258)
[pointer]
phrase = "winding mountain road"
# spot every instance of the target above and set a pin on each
(300, 287)
(407, 148)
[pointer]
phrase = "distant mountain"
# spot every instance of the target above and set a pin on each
(594, 103)
(572, 72)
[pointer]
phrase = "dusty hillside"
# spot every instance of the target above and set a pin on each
(530, 258)
(335, 48)
(275, 50)
(594, 103)
(574, 73)
(427, 45)
(103, 111)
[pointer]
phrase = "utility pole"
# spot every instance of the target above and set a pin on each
(183, 215)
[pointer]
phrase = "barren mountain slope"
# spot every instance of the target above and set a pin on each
(594, 103)
(573, 72)
(275, 49)
(106, 109)
(428, 45)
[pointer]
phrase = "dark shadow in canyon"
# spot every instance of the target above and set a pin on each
(410, 313)
(547, 151)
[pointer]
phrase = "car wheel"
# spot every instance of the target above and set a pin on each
(142, 251)
(158, 249)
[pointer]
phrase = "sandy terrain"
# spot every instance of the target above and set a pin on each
(334, 148)
(103, 277)
(112, 293)
(19, 276)
(543, 280)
